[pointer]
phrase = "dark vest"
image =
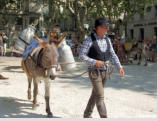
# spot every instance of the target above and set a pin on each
(96, 53)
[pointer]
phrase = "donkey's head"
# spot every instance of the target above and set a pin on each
(48, 58)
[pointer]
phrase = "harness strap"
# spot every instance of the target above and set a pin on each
(32, 59)
(24, 41)
(40, 54)
(37, 59)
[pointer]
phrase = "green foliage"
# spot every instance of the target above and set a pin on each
(86, 10)
(7, 4)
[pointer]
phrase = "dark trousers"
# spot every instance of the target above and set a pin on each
(98, 79)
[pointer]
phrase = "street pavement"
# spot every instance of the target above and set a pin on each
(133, 96)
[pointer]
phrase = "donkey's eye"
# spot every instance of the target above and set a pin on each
(46, 56)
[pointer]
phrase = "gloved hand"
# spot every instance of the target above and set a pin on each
(99, 64)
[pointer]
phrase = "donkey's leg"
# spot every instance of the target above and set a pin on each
(35, 92)
(140, 58)
(146, 61)
(47, 96)
(144, 57)
(29, 87)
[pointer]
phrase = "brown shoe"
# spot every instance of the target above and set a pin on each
(2, 77)
(87, 115)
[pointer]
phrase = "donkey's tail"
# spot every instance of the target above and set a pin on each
(25, 69)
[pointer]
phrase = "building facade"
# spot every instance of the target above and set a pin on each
(143, 26)
(18, 16)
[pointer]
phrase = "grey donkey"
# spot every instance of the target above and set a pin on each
(41, 65)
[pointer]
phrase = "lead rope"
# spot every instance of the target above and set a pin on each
(76, 76)
(109, 70)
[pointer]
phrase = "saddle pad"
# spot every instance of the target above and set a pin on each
(35, 55)
(31, 47)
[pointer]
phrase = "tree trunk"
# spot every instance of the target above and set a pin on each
(80, 28)
(125, 29)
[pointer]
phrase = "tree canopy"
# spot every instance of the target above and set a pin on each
(114, 10)
(85, 11)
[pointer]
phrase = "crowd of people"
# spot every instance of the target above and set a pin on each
(117, 44)
(119, 47)
(120, 50)
(152, 46)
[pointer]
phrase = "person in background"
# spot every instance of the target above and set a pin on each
(54, 37)
(120, 52)
(1, 45)
(154, 46)
(5, 41)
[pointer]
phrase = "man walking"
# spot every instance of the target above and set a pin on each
(96, 51)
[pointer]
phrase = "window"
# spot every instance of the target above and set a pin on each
(132, 33)
(155, 11)
(142, 13)
(19, 21)
(142, 34)
(148, 9)
(155, 31)
(32, 20)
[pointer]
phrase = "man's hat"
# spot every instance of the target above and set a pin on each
(101, 22)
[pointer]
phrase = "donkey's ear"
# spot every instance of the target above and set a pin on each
(41, 42)
(60, 40)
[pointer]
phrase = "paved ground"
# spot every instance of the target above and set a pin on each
(133, 96)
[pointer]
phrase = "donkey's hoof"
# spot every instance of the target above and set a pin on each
(29, 97)
(138, 63)
(131, 62)
(34, 106)
(29, 94)
(145, 64)
(50, 115)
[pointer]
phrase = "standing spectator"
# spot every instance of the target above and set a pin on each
(154, 45)
(5, 41)
(1, 45)
(54, 37)
(120, 51)
(75, 47)
(115, 45)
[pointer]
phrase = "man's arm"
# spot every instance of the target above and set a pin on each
(116, 61)
(84, 51)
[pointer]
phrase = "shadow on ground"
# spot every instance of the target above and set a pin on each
(11, 107)
(13, 69)
(137, 78)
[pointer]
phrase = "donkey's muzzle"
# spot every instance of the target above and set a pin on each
(52, 77)
(52, 73)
